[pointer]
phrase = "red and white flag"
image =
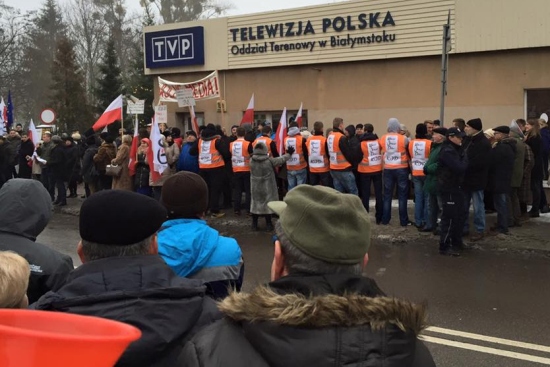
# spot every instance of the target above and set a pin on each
(194, 122)
(111, 114)
(133, 150)
(299, 116)
(33, 133)
(248, 117)
(281, 134)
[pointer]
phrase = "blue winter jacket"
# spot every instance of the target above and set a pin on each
(194, 250)
(186, 161)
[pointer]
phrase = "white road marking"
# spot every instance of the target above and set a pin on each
(478, 348)
(489, 339)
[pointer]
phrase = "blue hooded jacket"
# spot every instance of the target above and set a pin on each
(186, 161)
(194, 250)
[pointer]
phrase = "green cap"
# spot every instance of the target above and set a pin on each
(325, 224)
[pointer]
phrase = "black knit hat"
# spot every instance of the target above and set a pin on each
(116, 217)
(502, 129)
(176, 133)
(440, 130)
(475, 124)
(421, 131)
(185, 195)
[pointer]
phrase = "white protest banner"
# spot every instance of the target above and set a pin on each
(206, 88)
(185, 97)
(159, 155)
(135, 108)
(161, 114)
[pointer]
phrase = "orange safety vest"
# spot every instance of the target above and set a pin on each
(395, 152)
(240, 158)
(372, 157)
(209, 157)
(419, 150)
(297, 160)
(317, 154)
(337, 160)
(266, 140)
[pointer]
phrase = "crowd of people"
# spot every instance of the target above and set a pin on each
(449, 169)
(158, 265)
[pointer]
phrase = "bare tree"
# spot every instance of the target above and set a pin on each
(12, 29)
(172, 11)
(87, 31)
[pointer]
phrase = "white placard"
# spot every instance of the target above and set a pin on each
(185, 97)
(137, 108)
(161, 114)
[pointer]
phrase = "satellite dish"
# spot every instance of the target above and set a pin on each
(47, 116)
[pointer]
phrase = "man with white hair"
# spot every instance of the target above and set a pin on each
(318, 310)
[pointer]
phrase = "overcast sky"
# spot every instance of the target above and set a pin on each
(240, 6)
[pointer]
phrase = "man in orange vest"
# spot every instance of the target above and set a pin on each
(240, 151)
(419, 151)
(268, 141)
(213, 153)
(370, 170)
(396, 171)
(319, 166)
(341, 159)
(296, 166)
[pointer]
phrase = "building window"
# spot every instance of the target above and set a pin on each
(183, 120)
(537, 102)
(275, 116)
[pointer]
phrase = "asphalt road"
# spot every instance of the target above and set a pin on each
(491, 293)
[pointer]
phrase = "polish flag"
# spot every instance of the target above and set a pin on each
(194, 123)
(248, 117)
(299, 116)
(281, 134)
(133, 150)
(33, 133)
(111, 114)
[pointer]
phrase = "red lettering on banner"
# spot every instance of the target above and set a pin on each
(202, 89)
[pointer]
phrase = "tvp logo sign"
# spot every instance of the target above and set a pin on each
(176, 47)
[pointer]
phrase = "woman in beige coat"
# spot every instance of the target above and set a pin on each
(123, 181)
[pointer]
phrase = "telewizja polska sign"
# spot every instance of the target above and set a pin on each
(346, 29)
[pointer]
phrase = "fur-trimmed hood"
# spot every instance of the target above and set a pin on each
(328, 310)
(314, 320)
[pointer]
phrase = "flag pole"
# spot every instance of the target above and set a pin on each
(221, 101)
(445, 66)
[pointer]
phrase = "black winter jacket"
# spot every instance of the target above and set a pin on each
(451, 167)
(330, 320)
(26, 210)
(141, 291)
(58, 163)
(501, 167)
(535, 143)
(478, 150)
(88, 171)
